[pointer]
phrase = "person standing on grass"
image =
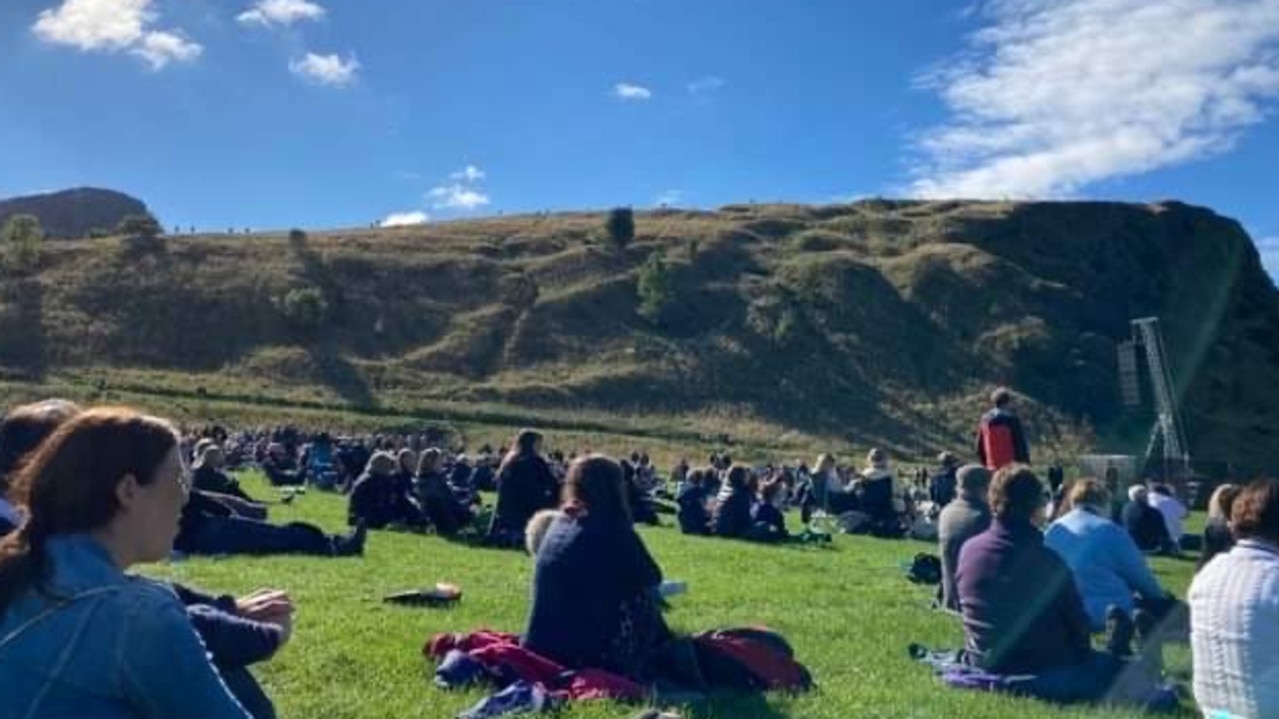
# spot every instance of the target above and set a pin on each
(525, 485)
(594, 581)
(962, 519)
(1234, 614)
(78, 636)
(1000, 438)
(1022, 614)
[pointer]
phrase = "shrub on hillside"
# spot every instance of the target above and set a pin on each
(297, 236)
(620, 226)
(21, 239)
(656, 288)
(305, 308)
(144, 225)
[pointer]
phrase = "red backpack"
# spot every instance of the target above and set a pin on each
(749, 658)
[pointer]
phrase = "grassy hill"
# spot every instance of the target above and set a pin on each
(791, 327)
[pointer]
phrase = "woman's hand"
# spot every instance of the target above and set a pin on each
(270, 606)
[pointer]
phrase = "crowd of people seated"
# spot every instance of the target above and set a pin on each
(1032, 570)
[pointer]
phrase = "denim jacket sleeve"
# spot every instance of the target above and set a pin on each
(164, 668)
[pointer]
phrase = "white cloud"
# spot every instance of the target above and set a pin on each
(631, 92)
(457, 197)
(329, 70)
(283, 13)
(161, 48)
(1054, 95)
(669, 198)
(114, 26)
(470, 173)
(706, 85)
(405, 219)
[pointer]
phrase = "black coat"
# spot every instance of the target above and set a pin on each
(525, 486)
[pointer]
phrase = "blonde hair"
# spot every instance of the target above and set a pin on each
(537, 528)
(1222, 501)
(1088, 493)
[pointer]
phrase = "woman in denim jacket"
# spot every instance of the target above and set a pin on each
(78, 637)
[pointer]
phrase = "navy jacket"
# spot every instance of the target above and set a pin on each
(586, 570)
(733, 514)
(1022, 613)
(382, 499)
(232, 640)
(1146, 525)
(769, 516)
(693, 517)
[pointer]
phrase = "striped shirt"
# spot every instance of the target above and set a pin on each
(1234, 632)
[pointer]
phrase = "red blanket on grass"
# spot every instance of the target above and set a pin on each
(501, 654)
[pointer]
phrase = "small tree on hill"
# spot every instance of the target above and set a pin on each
(144, 225)
(655, 287)
(22, 238)
(620, 226)
(305, 308)
(297, 236)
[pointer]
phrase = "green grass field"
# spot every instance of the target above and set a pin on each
(847, 609)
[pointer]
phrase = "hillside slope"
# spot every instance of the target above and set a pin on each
(877, 322)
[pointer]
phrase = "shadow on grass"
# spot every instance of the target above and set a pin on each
(736, 705)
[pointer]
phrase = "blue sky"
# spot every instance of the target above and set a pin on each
(331, 113)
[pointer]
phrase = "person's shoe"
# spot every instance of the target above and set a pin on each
(1119, 633)
(352, 545)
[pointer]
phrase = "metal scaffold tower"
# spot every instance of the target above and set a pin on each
(1168, 433)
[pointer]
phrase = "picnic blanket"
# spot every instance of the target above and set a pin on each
(1133, 688)
(528, 681)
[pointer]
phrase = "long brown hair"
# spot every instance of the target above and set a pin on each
(525, 445)
(594, 483)
(25, 427)
(69, 485)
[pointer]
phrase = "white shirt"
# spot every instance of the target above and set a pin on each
(1174, 514)
(1234, 633)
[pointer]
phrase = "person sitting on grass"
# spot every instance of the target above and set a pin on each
(525, 485)
(732, 514)
(438, 500)
(962, 519)
(212, 527)
(382, 498)
(1144, 523)
(1234, 614)
(643, 509)
(943, 486)
(1108, 568)
(279, 468)
(1174, 514)
(879, 495)
(237, 632)
(207, 474)
(692, 515)
(1022, 614)
(78, 636)
(21, 431)
(594, 582)
(406, 467)
(769, 521)
(1217, 535)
